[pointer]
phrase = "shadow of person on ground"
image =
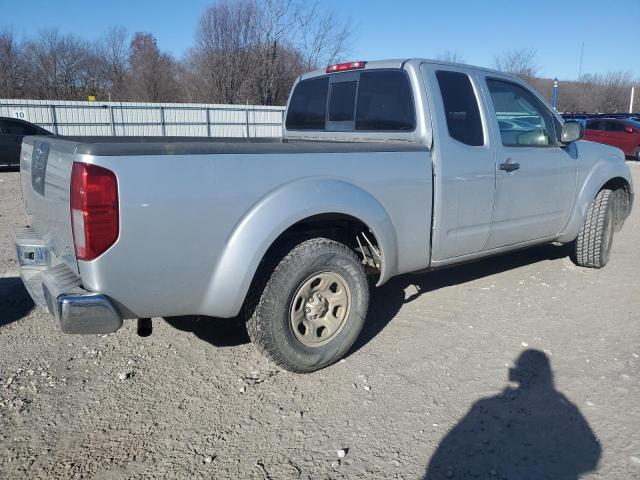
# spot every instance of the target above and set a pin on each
(531, 432)
(220, 332)
(15, 302)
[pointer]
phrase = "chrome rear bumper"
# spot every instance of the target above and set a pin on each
(58, 290)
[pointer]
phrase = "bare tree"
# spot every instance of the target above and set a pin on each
(115, 50)
(222, 61)
(153, 73)
(518, 62)
(12, 66)
(252, 52)
(451, 56)
(613, 91)
(64, 67)
(276, 24)
(322, 39)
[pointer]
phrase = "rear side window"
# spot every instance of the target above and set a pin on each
(308, 105)
(343, 101)
(17, 128)
(461, 108)
(593, 125)
(385, 101)
(614, 126)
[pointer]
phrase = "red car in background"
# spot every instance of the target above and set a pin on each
(618, 132)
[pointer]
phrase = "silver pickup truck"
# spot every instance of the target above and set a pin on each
(385, 167)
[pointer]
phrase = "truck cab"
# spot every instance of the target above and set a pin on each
(505, 176)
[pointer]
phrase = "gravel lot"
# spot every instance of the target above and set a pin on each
(425, 393)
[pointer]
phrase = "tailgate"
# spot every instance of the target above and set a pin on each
(45, 177)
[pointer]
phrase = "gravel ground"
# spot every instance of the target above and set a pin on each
(426, 393)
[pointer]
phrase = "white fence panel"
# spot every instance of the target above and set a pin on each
(152, 119)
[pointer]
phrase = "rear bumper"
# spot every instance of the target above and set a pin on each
(58, 290)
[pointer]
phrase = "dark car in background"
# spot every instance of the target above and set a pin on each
(12, 130)
(618, 132)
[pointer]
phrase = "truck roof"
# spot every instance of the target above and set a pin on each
(400, 62)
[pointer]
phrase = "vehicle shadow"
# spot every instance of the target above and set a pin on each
(220, 332)
(529, 432)
(385, 302)
(15, 302)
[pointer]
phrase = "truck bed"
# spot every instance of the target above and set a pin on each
(183, 201)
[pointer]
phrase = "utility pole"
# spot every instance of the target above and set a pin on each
(554, 99)
(631, 102)
(581, 56)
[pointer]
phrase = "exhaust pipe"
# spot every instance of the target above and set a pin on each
(145, 327)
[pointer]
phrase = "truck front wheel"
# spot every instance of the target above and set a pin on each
(312, 307)
(593, 245)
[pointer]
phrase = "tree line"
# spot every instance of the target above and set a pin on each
(244, 51)
(608, 92)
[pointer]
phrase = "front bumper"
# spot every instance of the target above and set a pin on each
(58, 290)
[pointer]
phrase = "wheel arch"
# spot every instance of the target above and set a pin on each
(604, 174)
(303, 206)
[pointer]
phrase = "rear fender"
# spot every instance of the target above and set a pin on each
(273, 215)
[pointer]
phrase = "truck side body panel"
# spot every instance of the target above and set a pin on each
(464, 176)
(182, 248)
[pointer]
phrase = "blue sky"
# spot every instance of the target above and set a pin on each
(475, 29)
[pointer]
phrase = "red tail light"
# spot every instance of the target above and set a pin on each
(341, 67)
(94, 210)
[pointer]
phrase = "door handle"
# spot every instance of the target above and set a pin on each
(509, 166)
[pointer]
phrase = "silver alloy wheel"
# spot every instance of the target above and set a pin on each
(320, 308)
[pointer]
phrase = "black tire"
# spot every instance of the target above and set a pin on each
(593, 245)
(637, 155)
(269, 322)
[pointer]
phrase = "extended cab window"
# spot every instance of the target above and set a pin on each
(308, 105)
(385, 101)
(523, 120)
(594, 125)
(460, 107)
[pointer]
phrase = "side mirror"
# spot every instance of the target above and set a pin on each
(628, 129)
(571, 131)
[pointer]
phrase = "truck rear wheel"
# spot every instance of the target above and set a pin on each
(593, 245)
(312, 307)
